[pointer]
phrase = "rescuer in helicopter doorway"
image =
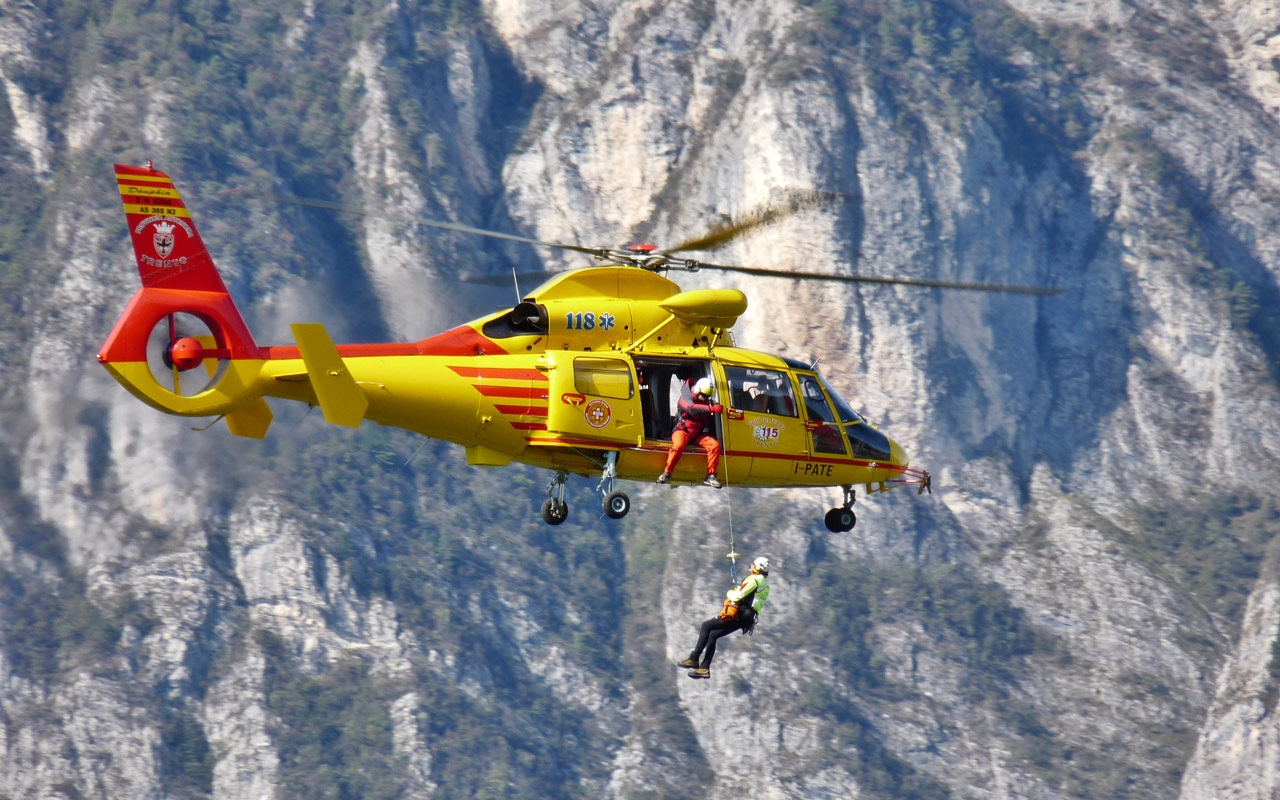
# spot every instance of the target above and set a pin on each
(695, 409)
(741, 607)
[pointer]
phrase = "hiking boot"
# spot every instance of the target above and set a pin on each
(700, 672)
(711, 481)
(688, 662)
(664, 477)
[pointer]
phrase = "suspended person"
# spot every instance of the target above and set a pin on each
(695, 408)
(742, 606)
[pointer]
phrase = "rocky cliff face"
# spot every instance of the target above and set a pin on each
(1086, 606)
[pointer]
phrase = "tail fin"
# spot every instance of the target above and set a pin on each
(182, 318)
(170, 253)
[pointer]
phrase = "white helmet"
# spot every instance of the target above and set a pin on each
(704, 386)
(761, 563)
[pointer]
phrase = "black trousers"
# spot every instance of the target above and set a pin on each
(710, 631)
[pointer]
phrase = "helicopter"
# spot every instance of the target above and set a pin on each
(581, 376)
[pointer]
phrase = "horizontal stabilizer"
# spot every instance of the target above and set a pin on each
(340, 398)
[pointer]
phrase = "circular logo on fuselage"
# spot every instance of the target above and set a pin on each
(766, 431)
(598, 413)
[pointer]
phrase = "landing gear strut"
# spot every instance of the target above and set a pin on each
(843, 519)
(616, 504)
(554, 508)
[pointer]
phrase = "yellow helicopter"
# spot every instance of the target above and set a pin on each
(582, 376)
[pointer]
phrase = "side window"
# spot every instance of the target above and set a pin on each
(603, 377)
(760, 390)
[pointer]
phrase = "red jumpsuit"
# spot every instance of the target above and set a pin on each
(695, 418)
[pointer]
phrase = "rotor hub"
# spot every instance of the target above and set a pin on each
(186, 353)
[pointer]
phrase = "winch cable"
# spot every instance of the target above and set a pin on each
(732, 555)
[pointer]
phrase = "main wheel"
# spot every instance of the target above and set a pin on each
(839, 520)
(553, 513)
(616, 505)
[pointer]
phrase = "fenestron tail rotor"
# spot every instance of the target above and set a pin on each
(183, 354)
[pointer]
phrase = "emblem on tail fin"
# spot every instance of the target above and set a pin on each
(162, 238)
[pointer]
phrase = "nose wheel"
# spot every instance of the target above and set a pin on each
(842, 519)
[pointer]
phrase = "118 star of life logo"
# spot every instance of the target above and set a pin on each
(589, 321)
(597, 413)
(766, 431)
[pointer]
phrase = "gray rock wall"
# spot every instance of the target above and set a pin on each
(1085, 606)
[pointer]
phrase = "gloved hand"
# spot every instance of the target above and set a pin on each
(717, 409)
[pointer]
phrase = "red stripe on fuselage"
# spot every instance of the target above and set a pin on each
(529, 392)
(289, 351)
(499, 373)
(526, 410)
(460, 341)
(817, 460)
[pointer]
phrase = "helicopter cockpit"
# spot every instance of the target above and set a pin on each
(770, 391)
(866, 441)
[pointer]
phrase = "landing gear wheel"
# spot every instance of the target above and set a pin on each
(616, 505)
(839, 520)
(554, 512)
(554, 508)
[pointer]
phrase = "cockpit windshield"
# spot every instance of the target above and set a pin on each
(843, 409)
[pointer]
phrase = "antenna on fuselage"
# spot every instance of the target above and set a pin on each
(516, 281)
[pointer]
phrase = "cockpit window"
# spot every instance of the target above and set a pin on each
(814, 402)
(763, 391)
(867, 442)
(825, 433)
(843, 409)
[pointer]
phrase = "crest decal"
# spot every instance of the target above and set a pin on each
(162, 239)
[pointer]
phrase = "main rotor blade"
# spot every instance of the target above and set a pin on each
(720, 235)
(1038, 291)
(598, 252)
(501, 280)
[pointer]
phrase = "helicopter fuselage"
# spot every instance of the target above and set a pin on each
(582, 376)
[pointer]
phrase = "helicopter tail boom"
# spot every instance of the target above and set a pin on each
(181, 344)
